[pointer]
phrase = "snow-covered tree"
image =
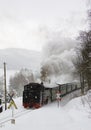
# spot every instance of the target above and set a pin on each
(83, 64)
(21, 78)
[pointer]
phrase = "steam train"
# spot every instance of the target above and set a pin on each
(36, 95)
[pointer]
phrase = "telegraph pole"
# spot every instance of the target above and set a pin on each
(5, 90)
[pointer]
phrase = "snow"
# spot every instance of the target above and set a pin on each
(70, 115)
(50, 85)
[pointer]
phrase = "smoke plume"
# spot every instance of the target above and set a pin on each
(58, 56)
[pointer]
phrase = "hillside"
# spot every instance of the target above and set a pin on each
(20, 58)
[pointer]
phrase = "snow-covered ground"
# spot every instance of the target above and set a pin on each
(72, 115)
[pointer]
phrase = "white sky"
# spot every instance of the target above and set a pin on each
(25, 23)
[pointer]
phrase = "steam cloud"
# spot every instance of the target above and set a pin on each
(58, 57)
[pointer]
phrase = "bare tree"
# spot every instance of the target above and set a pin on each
(83, 62)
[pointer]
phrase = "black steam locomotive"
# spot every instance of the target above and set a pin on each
(36, 95)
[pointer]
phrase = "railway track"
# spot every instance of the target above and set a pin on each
(16, 115)
(23, 112)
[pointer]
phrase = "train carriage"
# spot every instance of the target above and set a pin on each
(63, 89)
(69, 88)
(36, 95)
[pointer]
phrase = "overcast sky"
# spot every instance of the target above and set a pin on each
(26, 23)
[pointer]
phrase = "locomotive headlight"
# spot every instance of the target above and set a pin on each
(35, 96)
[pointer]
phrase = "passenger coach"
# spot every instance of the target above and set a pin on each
(36, 95)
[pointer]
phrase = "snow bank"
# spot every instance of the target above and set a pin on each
(72, 116)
